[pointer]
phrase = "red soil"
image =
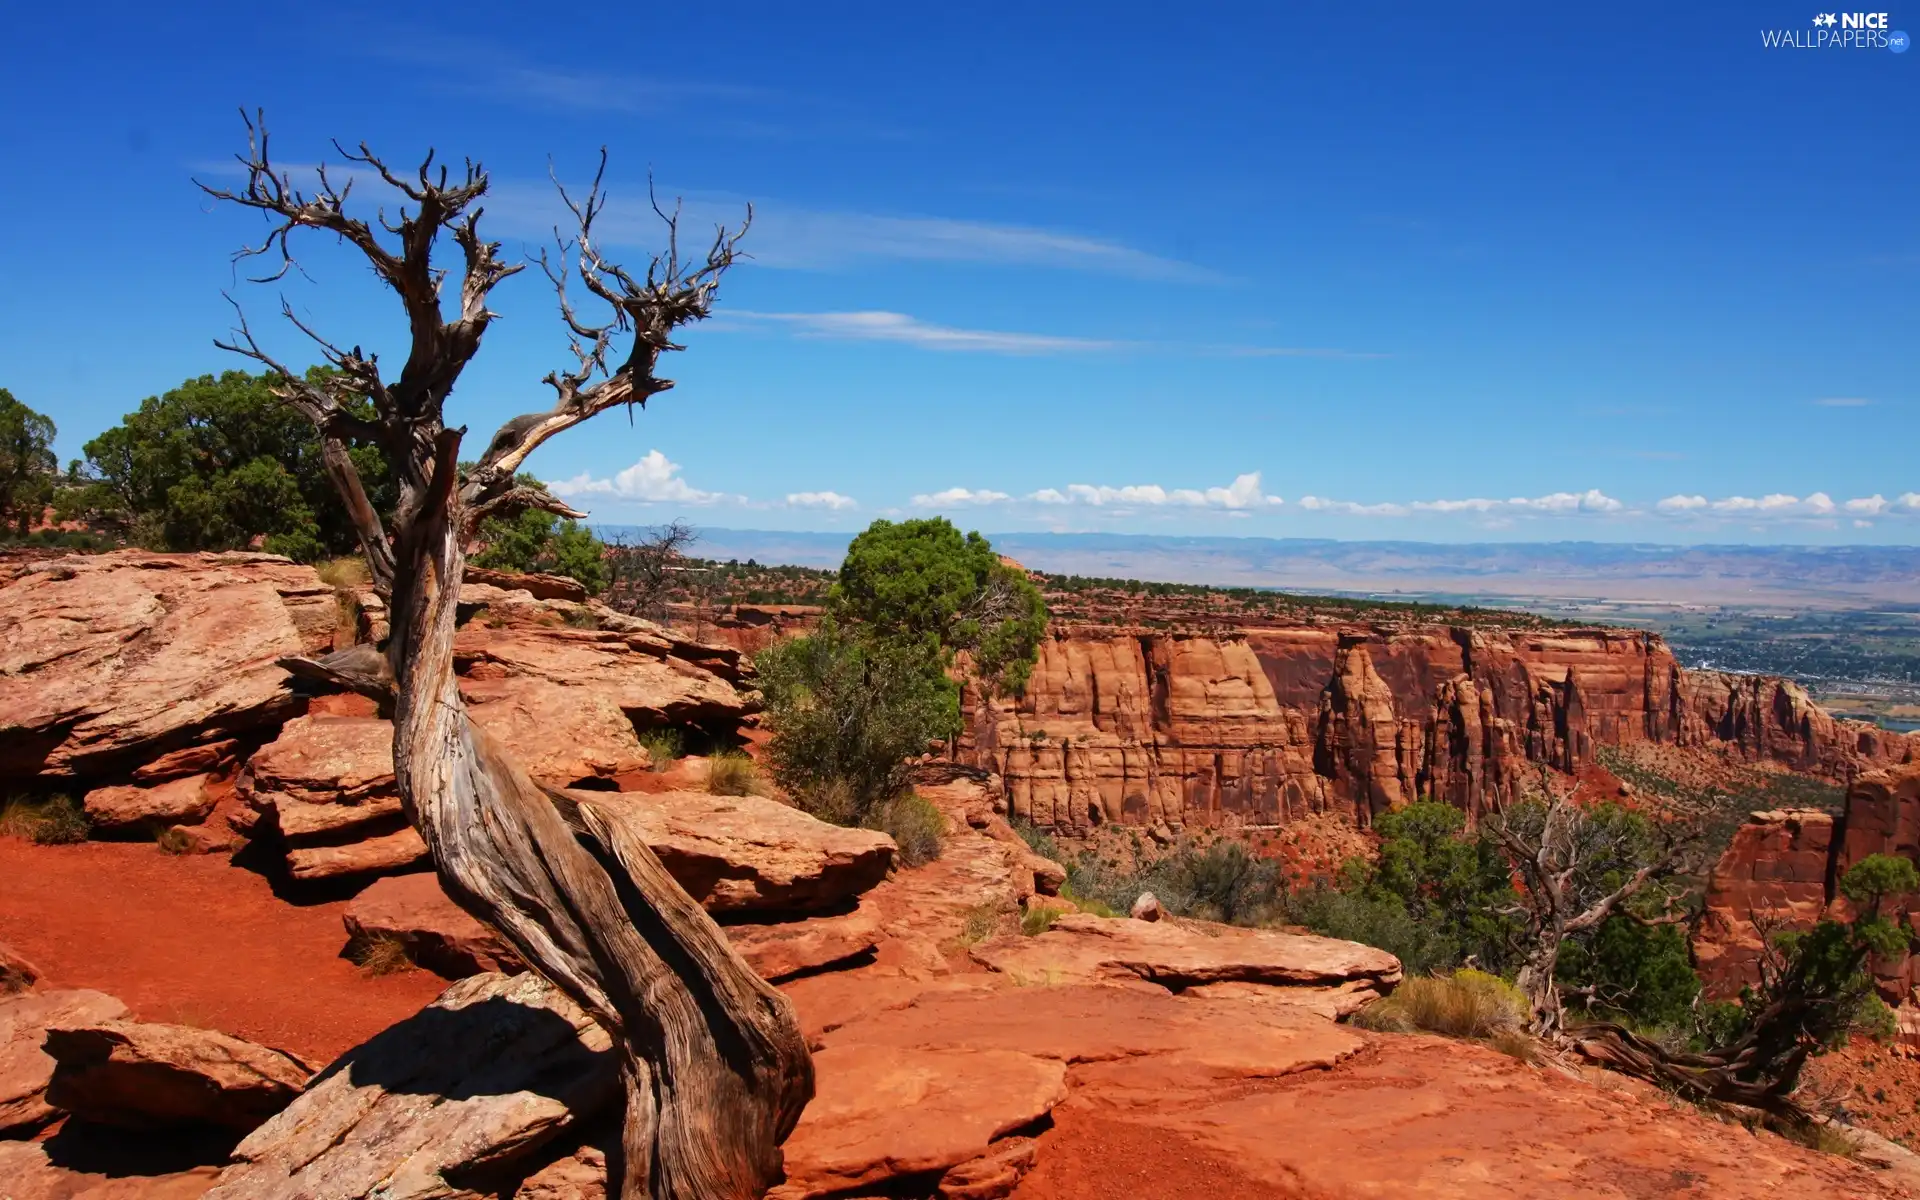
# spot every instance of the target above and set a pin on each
(195, 941)
(1088, 1156)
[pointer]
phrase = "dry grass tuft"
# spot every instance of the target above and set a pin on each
(1465, 1004)
(980, 923)
(46, 820)
(916, 826)
(173, 841)
(1038, 919)
(381, 954)
(731, 773)
(347, 573)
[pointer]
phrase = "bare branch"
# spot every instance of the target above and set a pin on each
(674, 294)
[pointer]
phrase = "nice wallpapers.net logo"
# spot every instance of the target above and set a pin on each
(1840, 31)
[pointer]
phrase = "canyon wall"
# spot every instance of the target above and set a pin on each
(1137, 725)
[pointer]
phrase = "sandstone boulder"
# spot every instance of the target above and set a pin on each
(640, 671)
(402, 850)
(1773, 872)
(112, 660)
(141, 1075)
(191, 760)
(437, 933)
(1146, 907)
(474, 1084)
(1180, 955)
(750, 854)
(25, 1068)
(881, 1113)
(782, 951)
(185, 800)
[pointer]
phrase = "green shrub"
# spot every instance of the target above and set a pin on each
(47, 821)
(916, 826)
(731, 773)
(664, 747)
(848, 715)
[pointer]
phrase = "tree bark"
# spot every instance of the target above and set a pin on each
(716, 1070)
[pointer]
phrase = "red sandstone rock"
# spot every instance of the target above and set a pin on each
(540, 587)
(25, 1067)
(1775, 870)
(144, 1076)
(112, 660)
(1342, 976)
(1268, 724)
(438, 934)
(488, 1073)
(779, 952)
(28, 1172)
(883, 1112)
(122, 809)
(193, 760)
(747, 853)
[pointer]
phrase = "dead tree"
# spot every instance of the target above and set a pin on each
(1561, 864)
(715, 1068)
(643, 568)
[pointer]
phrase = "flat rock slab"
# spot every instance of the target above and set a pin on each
(749, 854)
(25, 1068)
(140, 1075)
(438, 934)
(475, 1082)
(780, 952)
(108, 661)
(27, 1172)
(1180, 955)
(401, 850)
(182, 801)
(884, 1112)
(638, 670)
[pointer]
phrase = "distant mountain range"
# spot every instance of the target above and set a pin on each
(1825, 576)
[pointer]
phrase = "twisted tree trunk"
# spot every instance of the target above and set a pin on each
(715, 1068)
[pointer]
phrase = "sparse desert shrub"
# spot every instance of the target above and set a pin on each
(381, 954)
(173, 841)
(915, 825)
(980, 922)
(663, 746)
(1089, 904)
(1465, 1004)
(48, 821)
(581, 618)
(731, 773)
(1038, 919)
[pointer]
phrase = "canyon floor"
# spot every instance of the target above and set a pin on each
(196, 941)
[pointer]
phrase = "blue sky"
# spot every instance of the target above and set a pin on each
(1439, 272)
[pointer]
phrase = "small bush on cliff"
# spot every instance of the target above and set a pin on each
(848, 712)
(540, 542)
(922, 581)
(664, 747)
(916, 826)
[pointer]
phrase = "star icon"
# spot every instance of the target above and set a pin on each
(1826, 19)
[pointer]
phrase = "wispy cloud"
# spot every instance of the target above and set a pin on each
(1783, 506)
(833, 501)
(794, 237)
(1843, 402)
(655, 479)
(880, 326)
(899, 327)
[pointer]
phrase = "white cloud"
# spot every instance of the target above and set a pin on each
(899, 327)
(1348, 508)
(958, 496)
(828, 500)
(1681, 504)
(1815, 506)
(655, 479)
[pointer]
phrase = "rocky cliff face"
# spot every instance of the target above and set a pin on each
(1263, 725)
